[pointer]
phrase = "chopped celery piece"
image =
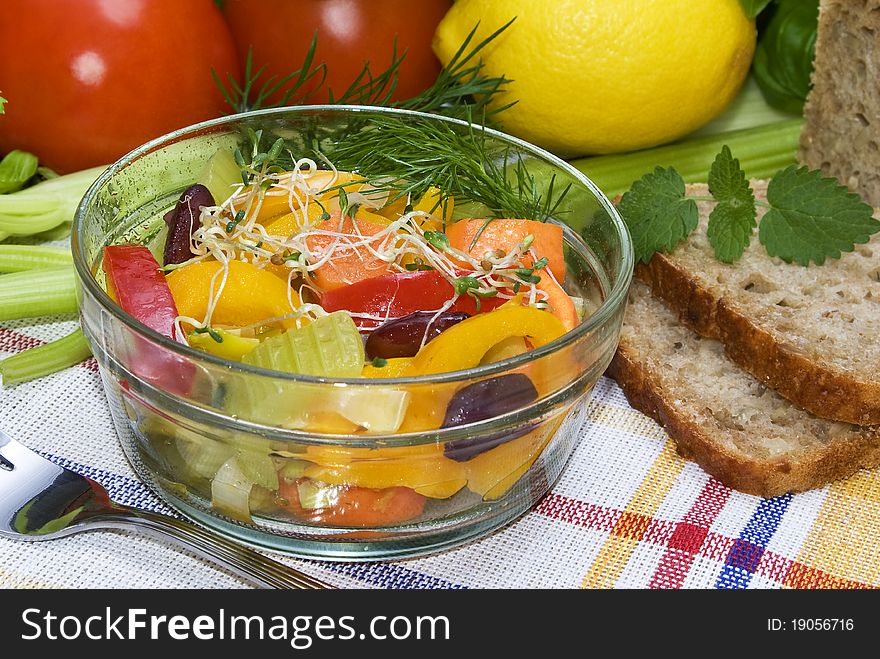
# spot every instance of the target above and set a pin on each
(315, 494)
(762, 151)
(231, 491)
(376, 411)
(220, 175)
(15, 170)
(202, 456)
(258, 468)
(747, 110)
(42, 292)
(294, 469)
(45, 359)
(231, 346)
(330, 346)
(232, 484)
(18, 258)
(45, 205)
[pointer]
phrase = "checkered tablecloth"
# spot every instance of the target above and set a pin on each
(626, 513)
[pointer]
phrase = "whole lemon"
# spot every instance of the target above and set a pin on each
(606, 76)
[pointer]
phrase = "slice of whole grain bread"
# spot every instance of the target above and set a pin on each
(841, 133)
(812, 334)
(735, 428)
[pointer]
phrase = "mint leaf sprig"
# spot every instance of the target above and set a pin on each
(809, 217)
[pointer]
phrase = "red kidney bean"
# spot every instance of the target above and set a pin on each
(484, 400)
(402, 337)
(182, 220)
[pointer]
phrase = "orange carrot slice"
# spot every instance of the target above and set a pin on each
(471, 237)
(352, 261)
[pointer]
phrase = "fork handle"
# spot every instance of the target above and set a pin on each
(240, 560)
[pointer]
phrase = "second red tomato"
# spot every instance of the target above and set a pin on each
(350, 32)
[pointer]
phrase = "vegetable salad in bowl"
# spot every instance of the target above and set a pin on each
(349, 333)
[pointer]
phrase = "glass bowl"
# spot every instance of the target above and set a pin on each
(207, 434)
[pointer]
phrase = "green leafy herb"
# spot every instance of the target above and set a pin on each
(210, 332)
(230, 226)
(657, 212)
(407, 155)
(244, 97)
(437, 239)
(732, 220)
(379, 362)
(16, 168)
(464, 284)
(812, 218)
(754, 7)
(461, 86)
(2, 104)
(784, 54)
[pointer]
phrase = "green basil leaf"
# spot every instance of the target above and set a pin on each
(784, 55)
(753, 7)
(15, 170)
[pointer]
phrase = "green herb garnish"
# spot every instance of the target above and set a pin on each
(461, 84)
(809, 217)
(463, 285)
(16, 169)
(407, 155)
(230, 226)
(210, 332)
(754, 7)
(732, 221)
(437, 239)
(657, 213)
(379, 362)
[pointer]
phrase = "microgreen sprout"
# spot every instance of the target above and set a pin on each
(437, 239)
(210, 332)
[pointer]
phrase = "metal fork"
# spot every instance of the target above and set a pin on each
(39, 500)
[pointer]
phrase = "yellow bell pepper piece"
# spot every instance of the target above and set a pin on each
(251, 295)
(395, 368)
(440, 215)
(493, 473)
(231, 346)
(464, 345)
(422, 468)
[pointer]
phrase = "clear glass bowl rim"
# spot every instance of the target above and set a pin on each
(614, 298)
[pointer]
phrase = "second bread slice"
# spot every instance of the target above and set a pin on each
(733, 426)
(812, 334)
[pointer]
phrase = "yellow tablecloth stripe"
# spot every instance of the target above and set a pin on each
(842, 543)
(619, 547)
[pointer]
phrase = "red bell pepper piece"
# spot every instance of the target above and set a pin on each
(400, 294)
(137, 284)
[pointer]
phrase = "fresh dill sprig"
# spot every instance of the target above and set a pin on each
(407, 155)
(461, 86)
(462, 89)
(245, 96)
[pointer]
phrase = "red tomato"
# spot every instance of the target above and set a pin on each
(355, 506)
(350, 32)
(88, 80)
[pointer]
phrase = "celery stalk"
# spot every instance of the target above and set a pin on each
(37, 293)
(762, 151)
(45, 205)
(18, 258)
(45, 359)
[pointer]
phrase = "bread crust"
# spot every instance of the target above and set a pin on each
(816, 387)
(766, 478)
